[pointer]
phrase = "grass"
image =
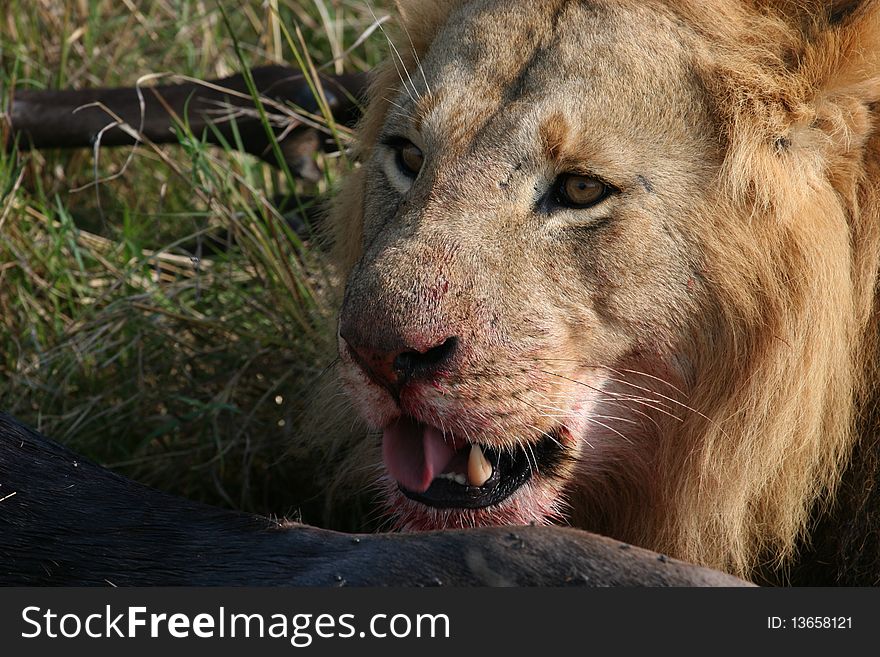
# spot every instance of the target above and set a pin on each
(189, 374)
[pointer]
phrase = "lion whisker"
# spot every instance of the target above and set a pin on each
(615, 370)
(419, 66)
(656, 378)
(534, 458)
(659, 394)
(638, 400)
(647, 403)
(620, 402)
(396, 57)
(602, 424)
(617, 401)
(397, 105)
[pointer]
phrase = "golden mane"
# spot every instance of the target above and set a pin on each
(786, 358)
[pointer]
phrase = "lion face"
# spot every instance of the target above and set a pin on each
(529, 266)
(617, 262)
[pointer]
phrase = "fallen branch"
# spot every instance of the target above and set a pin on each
(75, 119)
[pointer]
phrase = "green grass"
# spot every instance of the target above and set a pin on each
(189, 375)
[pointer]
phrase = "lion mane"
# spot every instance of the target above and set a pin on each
(772, 475)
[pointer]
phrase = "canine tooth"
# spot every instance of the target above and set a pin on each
(479, 469)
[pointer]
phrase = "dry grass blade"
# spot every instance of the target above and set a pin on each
(129, 328)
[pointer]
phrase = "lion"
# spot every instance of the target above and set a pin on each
(613, 264)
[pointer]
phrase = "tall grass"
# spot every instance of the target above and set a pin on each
(187, 372)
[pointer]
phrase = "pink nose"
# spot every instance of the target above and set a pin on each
(396, 367)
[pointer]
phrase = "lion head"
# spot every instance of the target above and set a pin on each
(612, 263)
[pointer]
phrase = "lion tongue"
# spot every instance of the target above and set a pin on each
(415, 453)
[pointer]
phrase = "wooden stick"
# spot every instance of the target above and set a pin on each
(75, 119)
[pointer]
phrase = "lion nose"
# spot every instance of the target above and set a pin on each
(394, 368)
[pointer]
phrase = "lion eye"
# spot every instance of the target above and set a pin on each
(409, 158)
(578, 191)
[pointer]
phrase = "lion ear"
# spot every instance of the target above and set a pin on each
(838, 72)
(421, 20)
(841, 9)
(844, 59)
(808, 13)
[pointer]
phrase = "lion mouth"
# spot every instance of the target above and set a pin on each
(444, 471)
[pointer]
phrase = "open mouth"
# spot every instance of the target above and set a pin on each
(448, 472)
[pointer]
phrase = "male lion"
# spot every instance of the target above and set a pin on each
(613, 263)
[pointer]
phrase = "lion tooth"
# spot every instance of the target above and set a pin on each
(479, 469)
